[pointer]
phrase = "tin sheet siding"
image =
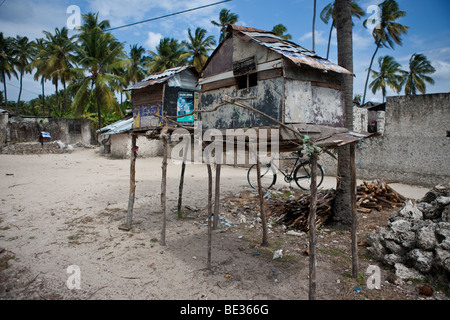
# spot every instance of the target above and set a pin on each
(310, 104)
(269, 99)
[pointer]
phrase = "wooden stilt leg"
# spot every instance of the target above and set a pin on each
(180, 189)
(163, 190)
(354, 213)
(261, 203)
(209, 214)
(312, 229)
(217, 197)
(132, 183)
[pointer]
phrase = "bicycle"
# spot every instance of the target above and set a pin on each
(300, 173)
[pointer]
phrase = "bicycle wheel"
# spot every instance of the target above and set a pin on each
(302, 175)
(268, 176)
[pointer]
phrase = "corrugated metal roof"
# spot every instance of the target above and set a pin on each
(120, 126)
(156, 78)
(288, 49)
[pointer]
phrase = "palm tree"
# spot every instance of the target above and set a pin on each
(314, 27)
(328, 14)
(60, 58)
(169, 54)
(279, 31)
(7, 62)
(135, 65)
(101, 58)
(198, 47)
(389, 75)
(225, 18)
(41, 66)
(415, 78)
(388, 32)
(24, 52)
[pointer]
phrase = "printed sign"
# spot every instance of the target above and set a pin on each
(185, 105)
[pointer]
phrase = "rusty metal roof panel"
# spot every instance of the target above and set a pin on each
(157, 78)
(290, 50)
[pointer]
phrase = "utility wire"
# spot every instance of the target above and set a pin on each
(2, 2)
(165, 16)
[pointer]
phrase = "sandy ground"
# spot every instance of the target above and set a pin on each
(62, 210)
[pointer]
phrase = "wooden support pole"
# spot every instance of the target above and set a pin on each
(217, 197)
(354, 213)
(180, 188)
(312, 229)
(132, 182)
(164, 138)
(208, 165)
(261, 203)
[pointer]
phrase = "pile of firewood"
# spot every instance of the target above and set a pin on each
(377, 195)
(294, 213)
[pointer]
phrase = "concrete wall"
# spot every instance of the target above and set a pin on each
(69, 131)
(413, 149)
(3, 129)
(121, 146)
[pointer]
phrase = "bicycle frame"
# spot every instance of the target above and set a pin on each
(298, 161)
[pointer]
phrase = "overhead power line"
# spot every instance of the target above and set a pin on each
(166, 16)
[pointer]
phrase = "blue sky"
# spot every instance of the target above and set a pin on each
(429, 32)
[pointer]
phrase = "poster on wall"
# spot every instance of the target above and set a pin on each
(185, 105)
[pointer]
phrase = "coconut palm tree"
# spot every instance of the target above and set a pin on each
(169, 54)
(100, 58)
(198, 47)
(24, 53)
(387, 33)
(40, 64)
(7, 62)
(419, 69)
(135, 64)
(389, 75)
(225, 18)
(60, 58)
(279, 31)
(328, 14)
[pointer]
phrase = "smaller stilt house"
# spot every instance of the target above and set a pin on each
(173, 92)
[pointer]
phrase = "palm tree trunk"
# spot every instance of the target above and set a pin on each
(43, 96)
(4, 86)
(57, 96)
(368, 73)
(329, 39)
(20, 92)
(99, 111)
(64, 96)
(314, 27)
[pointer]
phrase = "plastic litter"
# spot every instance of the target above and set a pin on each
(278, 254)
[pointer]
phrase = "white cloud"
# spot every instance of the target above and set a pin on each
(153, 40)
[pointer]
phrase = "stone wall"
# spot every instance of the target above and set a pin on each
(414, 148)
(416, 241)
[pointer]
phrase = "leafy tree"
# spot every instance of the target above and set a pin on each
(24, 53)
(414, 79)
(169, 54)
(279, 31)
(7, 62)
(328, 13)
(225, 18)
(389, 75)
(101, 58)
(198, 47)
(388, 33)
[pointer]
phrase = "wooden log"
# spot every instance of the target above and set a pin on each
(132, 182)
(164, 138)
(312, 229)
